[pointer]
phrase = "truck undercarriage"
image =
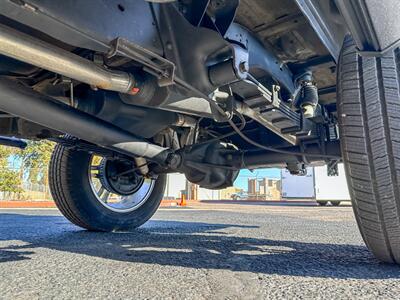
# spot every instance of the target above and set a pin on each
(182, 74)
(205, 87)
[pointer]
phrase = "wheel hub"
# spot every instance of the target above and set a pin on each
(118, 177)
(117, 186)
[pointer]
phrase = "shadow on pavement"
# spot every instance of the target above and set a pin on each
(191, 245)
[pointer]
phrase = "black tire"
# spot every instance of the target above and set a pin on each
(322, 203)
(71, 191)
(335, 203)
(369, 118)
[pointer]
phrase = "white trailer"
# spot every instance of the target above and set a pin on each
(317, 185)
(175, 184)
(331, 189)
(206, 194)
(297, 187)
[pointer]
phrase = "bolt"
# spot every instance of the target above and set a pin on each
(243, 67)
(169, 45)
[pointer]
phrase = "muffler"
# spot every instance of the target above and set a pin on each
(33, 51)
(19, 100)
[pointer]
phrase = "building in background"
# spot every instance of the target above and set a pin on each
(252, 186)
(274, 189)
(264, 188)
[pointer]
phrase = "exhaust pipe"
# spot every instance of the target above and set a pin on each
(19, 100)
(33, 51)
(12, 142)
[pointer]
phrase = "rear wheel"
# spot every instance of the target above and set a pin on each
(102, 194)
(322, 203)
(369, 118)
(335, 203)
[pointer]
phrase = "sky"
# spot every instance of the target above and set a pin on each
(241, 181)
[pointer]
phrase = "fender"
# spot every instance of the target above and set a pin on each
(332, 20)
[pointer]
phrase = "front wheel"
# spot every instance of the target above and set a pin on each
(369, 119)
(102, 194)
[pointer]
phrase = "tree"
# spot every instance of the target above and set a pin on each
(35, 159)
(10, 180)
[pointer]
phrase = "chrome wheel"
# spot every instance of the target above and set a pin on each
(117, 185)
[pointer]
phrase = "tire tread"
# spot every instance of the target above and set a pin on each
(369, 93)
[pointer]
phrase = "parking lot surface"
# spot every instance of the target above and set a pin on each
(211, 251)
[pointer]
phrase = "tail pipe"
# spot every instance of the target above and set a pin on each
(23, 102)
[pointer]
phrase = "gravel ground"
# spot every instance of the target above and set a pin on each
(208, 252)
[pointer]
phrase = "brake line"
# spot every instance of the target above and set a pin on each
(224, 136)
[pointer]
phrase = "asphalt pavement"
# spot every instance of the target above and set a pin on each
(219, 251)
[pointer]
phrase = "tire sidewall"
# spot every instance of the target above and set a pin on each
(97, 214)
(348, 39)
